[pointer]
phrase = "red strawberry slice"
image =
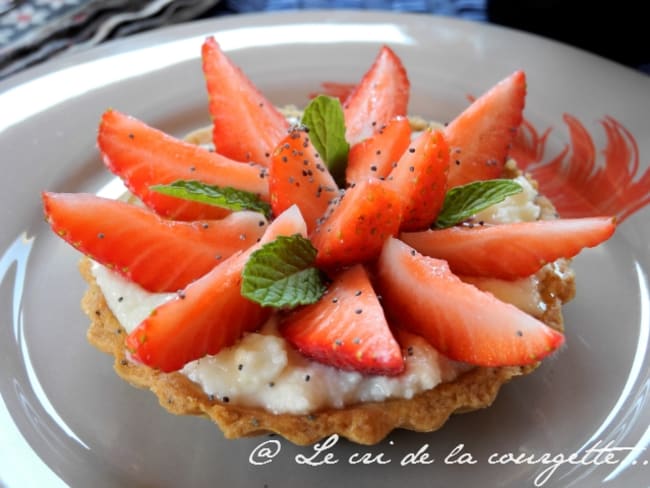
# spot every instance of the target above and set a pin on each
(143, 156)
(481, 136)
(247, 127)
(375, 156)
(382, 95)
(420, 179)
(460, 321)
(346, 328)
(298, 176)
(209, 314)
(358, 225)
(157, 254)
(511, 251)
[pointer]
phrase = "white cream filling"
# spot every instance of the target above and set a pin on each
(263, 370)
(129, 302)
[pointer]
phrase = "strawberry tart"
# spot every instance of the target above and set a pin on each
(343, 269)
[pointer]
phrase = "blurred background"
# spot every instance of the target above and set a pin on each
(32, 31)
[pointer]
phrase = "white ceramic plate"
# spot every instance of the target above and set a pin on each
(65, 417)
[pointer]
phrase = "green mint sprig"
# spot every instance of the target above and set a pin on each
(282, 274)
(219, 196)
(326, 123)
(464, 201)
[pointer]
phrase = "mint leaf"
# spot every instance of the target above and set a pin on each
(282, 274)
(219, 196)
(324, 119)
(464, 201)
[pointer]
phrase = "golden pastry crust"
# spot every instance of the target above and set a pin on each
(365, 423)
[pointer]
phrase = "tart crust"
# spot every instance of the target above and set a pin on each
(364, 423)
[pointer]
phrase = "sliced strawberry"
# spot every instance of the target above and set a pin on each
(481, 136)
(209, 314)
(143, 156)
(346, 328)
(157, 254)
(247, 127)
(298, 176)
(511, 251)
(460, 321)
(420, 179)
(382, 94)
(376, 155)
(358, 225)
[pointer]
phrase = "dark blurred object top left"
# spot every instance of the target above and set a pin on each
(34, 30)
